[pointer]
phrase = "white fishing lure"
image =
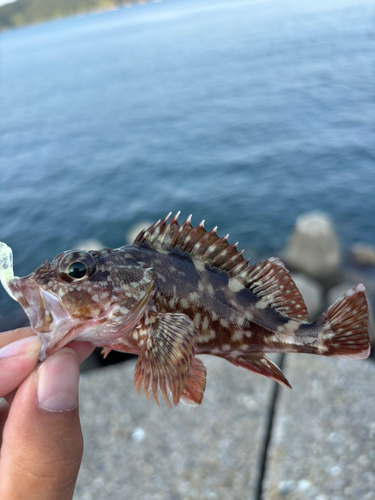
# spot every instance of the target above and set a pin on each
(6, 267)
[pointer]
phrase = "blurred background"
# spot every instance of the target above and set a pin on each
(244, 113)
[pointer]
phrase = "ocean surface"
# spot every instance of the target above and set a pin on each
(244, 113)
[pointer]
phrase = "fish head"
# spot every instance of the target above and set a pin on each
(93, 296)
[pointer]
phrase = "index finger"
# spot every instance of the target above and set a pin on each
(13, 335)
(17, 360)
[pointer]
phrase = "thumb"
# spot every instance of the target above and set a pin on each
(42, 441)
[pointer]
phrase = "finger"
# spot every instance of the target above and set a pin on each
(4, 410)
(13, 335)
(82, 349)
(42, 440)
(17, 360)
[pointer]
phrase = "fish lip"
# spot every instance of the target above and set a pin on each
(48, 317)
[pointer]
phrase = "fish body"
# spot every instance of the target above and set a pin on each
(180, 291)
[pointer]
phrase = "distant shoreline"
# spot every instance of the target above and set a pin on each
(23, 13)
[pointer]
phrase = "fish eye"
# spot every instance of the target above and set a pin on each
(76, 265)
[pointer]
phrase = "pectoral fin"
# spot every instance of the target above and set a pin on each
(165, 359)
(259, 363)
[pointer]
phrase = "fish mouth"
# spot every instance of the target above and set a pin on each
(48, 317)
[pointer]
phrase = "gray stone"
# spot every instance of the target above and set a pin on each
(314, 248)
(323, 439)
(312, 293)
(134, 449)
(90, 244)
(363, 254)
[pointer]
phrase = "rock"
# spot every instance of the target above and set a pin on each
(134, 230)
(323, 440)
(90, 244)
(134, 449)
(314, 248)
(363, 255)
(312, 293)
(337, 291)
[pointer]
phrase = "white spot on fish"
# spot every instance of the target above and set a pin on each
(199, 265)
(200, 286)
(237, 336)
(95, 298)
(205, 323)
(235, 285)
(216, 350)
(210, 289)
(184, 303)
(197, 319)
(95, 312)
(204, 338)
(194, 296)
(291, 326)
(226, 347)
(261, 304)
(224, 323)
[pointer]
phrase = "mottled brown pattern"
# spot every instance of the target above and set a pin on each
(180, 291)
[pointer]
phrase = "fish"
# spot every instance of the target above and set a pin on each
(177, 292)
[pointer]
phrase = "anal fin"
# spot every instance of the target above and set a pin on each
(165, 359)
(259, 363)
(195, 385)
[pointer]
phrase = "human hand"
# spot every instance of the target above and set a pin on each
(41, 439)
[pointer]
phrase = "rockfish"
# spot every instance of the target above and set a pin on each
(177, 292)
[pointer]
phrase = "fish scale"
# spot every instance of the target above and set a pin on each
(177, 292)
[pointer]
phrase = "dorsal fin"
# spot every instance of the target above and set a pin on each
(203, 245)
(269, 280)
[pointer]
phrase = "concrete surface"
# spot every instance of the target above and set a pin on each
(136, 450)
(322, 444)
(323, 439)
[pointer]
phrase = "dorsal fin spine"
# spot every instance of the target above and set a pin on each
(164, 227)
(224, 252)
(190, 235)
(212, 248)
(199, 243)
(185, 225)
(159, 229)
(224, 267)
(240, 268)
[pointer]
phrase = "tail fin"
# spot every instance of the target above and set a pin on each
(344, 333)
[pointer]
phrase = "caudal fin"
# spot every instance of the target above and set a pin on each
(344, 332)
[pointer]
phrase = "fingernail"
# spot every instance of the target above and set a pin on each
(22, 346)
(58, 381)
